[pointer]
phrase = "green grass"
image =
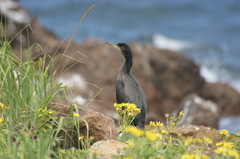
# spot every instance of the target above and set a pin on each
(28, 129)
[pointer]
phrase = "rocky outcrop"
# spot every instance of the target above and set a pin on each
(89, 69)
(224, 95)
(92, 124)
(198, 111)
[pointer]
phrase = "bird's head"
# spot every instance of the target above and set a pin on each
(123, 48)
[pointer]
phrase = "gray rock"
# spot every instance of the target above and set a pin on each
(198, 111)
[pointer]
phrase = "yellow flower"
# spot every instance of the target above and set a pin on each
(224, 132)
(80, 137)
(221, 150)
(3, 106)
(167, 115)
(150, 136)
(233, 153)
(219, 144)
(190, 156)
(163, 131)
(228, 145)
(151, 123)
(129, 144)
(91, 138)
(76, 114)
(226, 152)
(49, 112)
(129, 108)
(204, 156)
(207, 140)
(188, 141)
(1, 120)
(40, 115)
(156, 124)
(117, 105)
(181, 113)
(118, 109)
(134, 131)
(127, 158)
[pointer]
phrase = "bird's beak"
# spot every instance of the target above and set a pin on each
(114, 45)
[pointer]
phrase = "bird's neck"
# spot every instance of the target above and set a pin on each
(127, 65)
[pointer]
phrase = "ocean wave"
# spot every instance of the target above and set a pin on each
(165, 42)
(209, 75)
(212, 75)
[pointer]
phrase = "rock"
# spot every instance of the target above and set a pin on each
(199, 132)
(223, 95)
(198, 111)
(108, 149)
(97, 125)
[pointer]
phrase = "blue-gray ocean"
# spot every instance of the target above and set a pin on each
(207, 31)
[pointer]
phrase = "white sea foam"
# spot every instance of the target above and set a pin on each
(212, 76)
(165, 42)
(209, 75)
(12, 11)
(75, 81)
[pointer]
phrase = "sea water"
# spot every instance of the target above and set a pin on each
(206, 31)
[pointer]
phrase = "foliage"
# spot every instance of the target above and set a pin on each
(163, 142)
(28, 128)
(126, 113)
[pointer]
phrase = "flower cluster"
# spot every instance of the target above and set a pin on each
(150, 135)
(43, 112)
(164, 141)
(156, 124)
(134, 131)
(76, 115)
(225, 148)
(207, 140)
(224, 132)
(224, 151)
(129, 108)
(194, 156)
(126, 113)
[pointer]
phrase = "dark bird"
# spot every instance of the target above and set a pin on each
(127, 88)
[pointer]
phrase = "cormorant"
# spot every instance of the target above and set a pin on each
(127, 88)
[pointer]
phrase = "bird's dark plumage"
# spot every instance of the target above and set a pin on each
(127, 88)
